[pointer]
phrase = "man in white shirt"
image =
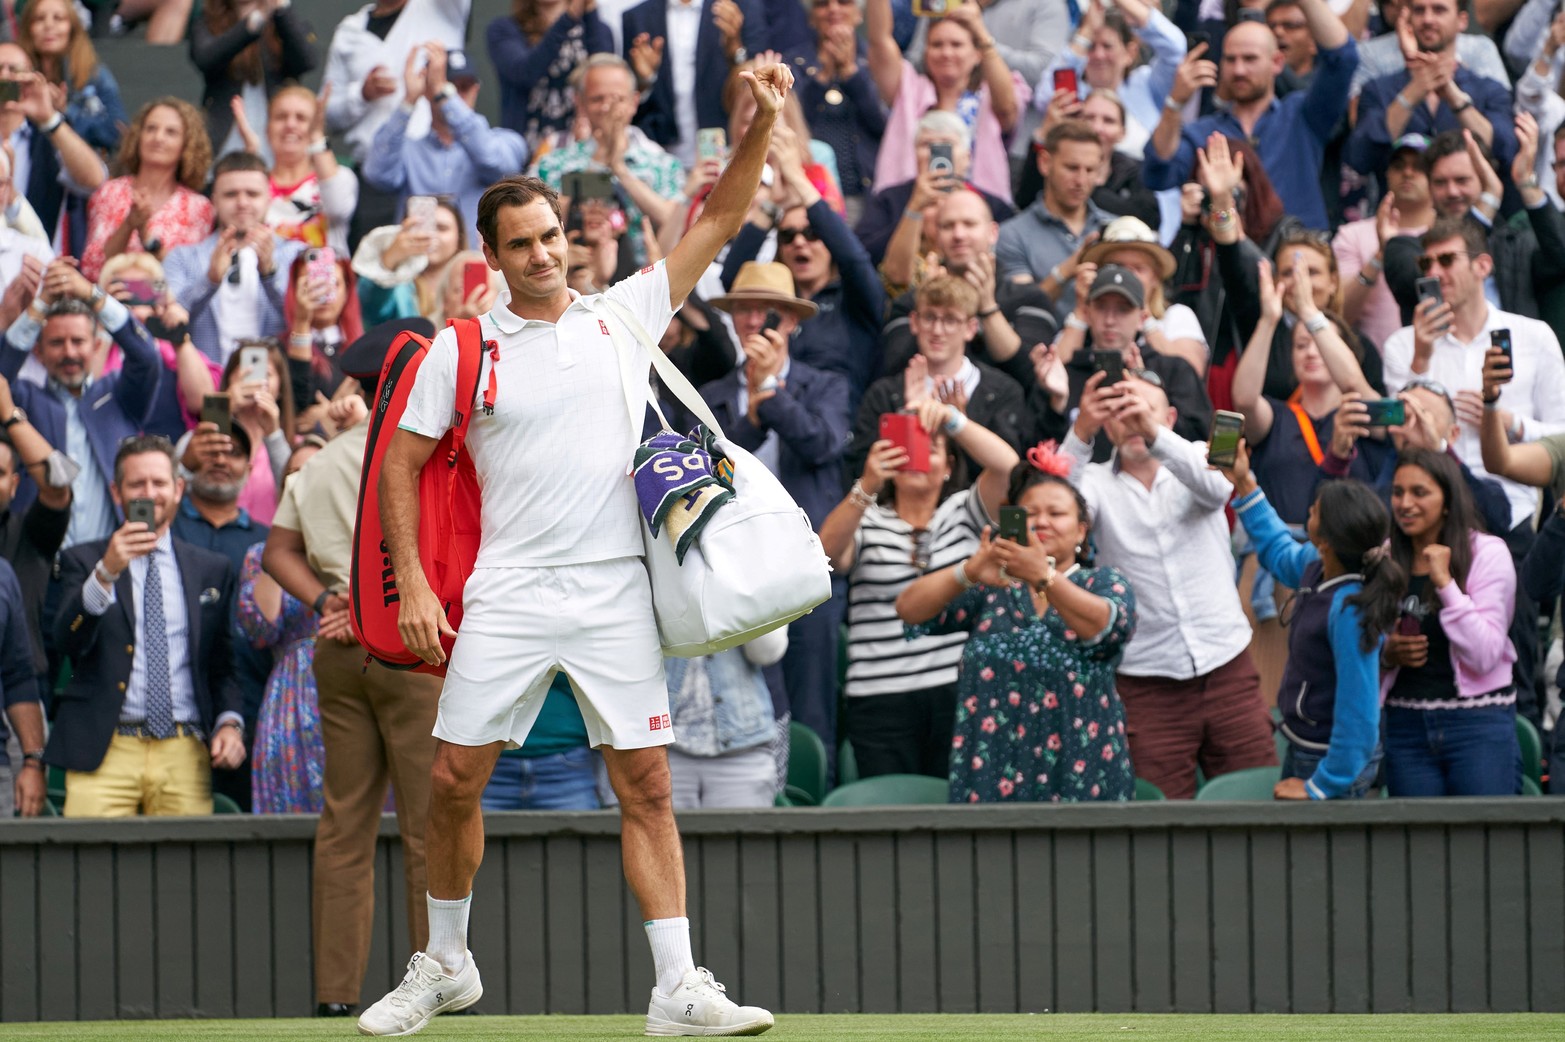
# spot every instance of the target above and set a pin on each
(558, 585)
(1191, 693)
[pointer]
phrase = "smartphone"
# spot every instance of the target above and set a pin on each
(773, 319)
(1501, 339)
(1065, 79)
(587, 184)
(422, 209)
(215, 409)
(1386, 412)
(10, 90)
(254, 367)
(711, 143)
(1429, 289)
(1013, 524)
(141, 510)
(931, 8)
(1409, 625)
(903, 429)
(941, 162)
(474, 275)
(1111, 362)
(143, 293)
(1196, 39)
(320, 268)
(1222, 448)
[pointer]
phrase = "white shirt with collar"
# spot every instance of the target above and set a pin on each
(1169, 540)
(684, 28)
(553, 459)
(1535, 395)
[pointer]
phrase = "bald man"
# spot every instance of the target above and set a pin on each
(1191, 693)
(1290, 134)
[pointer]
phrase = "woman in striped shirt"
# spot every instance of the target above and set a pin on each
(895, 525)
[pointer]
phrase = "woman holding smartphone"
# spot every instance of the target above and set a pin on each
(402, 268)
(1450, 700)
(895, 525)
(1348, 588)
(1038, 719)
(322, 313)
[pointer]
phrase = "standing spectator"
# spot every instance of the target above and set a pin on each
(86, 417)
(1450, 703)
(722, 713)
(958, 47)
(1290, 134)
(313, 195)
(1037, 719)
(323, 319)
(151, 706)
(1537, 96)
(555, 768)
(54, 166)
(1406, 209)
(166, 19)
(1191, 691)
(1119, 190)
(266, 412)
(461, 155)
(1434, 93)
(1045, 241)
(1387, 53)
(246, 50)
(534, 50)
(233, 281)
(375, 722)
(30, 538)
(157, 205)
(56, 42)
(1285, 18)
(22, 789)
(401, 268)
(1171, 329)
(895, 525)
(1348, 590)
(838, 95)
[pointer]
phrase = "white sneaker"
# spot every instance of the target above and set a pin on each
(699, 1006)
(426, 990)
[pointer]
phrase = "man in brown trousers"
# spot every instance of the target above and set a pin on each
(376, 723)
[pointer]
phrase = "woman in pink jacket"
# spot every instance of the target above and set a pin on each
(1450, 725)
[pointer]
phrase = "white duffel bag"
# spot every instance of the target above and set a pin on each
(757, 564)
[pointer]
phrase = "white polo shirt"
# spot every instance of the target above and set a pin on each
(553, 460)
(1536, 393)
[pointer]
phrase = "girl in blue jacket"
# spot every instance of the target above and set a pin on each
(1348, 588)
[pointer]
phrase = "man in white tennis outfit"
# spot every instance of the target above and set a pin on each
(559, 584)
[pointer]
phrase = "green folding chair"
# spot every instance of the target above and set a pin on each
(222, 804)
(887, 790)
(1532, 750)
(806, 766)
(1251, 784)
(1530, 787)
(847, 763)
(1145, 790)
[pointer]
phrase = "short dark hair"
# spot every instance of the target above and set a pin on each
(239, 163)
(1447, 228)
(517, 190)
(1277, 5)
(141, 445)
(1070, 130)
(1449, 143)
(64, 306)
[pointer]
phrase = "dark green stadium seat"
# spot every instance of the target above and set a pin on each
(806, 763)
(1530, 787)
(1252, 783)
(1145, 790)
(222, 804)
(887, 790)
(1532, 750)
(847, 763)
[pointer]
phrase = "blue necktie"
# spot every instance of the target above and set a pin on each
(154, 643)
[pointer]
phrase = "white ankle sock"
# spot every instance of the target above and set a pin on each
(670, 940)
(448, 932)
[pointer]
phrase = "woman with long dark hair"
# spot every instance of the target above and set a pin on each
(323, 319)
(1037, 719)
(1348, 588)
(1450, 700)
(246, 49)
(534, 50)
(52, 34)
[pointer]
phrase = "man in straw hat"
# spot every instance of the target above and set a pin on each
(795, 418)
(559, 585)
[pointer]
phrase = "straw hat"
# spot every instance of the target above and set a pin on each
(1131, 233)
(770, 284)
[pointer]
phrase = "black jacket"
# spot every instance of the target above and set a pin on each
(1025, 306)
(212, 53)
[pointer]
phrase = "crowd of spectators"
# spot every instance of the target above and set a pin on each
(1009, 268)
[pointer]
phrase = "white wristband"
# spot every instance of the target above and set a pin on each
(955, 424)
(1490, 200)
(1316, 323)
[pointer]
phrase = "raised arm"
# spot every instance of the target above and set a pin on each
(885, 57)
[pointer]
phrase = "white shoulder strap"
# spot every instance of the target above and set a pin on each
(667, 371)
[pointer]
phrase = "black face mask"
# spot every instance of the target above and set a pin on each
(173, 334)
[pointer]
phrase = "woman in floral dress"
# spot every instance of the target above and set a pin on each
(1037, 718)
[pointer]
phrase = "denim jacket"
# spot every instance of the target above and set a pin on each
(720, 703)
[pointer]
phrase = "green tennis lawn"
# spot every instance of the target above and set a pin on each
(851, 1028)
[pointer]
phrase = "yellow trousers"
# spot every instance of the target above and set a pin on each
(168, 777)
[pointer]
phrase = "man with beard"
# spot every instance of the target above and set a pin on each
(1433, 93)
(1290, 134)
(1044, 241)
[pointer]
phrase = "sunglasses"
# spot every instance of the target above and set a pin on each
(1427, 384)
(839, 3)
(1445, 260)
(1148, 376)
(786, 236)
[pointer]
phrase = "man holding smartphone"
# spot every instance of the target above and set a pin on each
(559, 585)
(1192, 694)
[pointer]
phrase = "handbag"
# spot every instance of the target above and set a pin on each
(757, 565)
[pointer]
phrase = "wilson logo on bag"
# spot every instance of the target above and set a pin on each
(448, 497)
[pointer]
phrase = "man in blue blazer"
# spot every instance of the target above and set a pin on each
(152, 705)
(795, 419)
(82, 416)
(651, 22)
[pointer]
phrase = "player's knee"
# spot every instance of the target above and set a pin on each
(456, 778)
(646, 788)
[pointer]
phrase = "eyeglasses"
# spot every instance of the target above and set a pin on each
(937, 321)
(786, 236)
(1445, 260)
(839, 3)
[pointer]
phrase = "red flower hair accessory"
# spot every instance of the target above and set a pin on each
(1044, 457)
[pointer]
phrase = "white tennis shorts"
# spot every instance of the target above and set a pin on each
(520, 626)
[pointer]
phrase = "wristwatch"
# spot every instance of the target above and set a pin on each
(321, 599)
(18, 415)
(741, 56)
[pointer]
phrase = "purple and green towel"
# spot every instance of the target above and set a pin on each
(679, 486)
